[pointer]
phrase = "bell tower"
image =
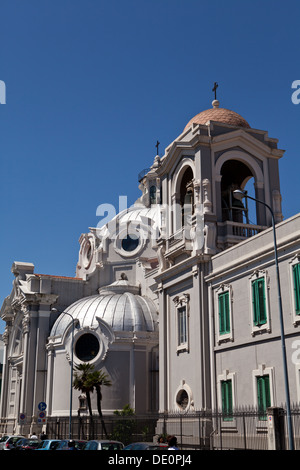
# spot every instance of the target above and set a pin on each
(194, 182)
(235, 156)
(216, 153)
(242, 158)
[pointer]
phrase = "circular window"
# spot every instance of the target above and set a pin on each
(130, 243)
(87, 347)
(182, 399)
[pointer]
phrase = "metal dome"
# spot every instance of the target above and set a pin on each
(139, 212)
(118, 305)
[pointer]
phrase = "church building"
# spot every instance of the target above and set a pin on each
(175, 298)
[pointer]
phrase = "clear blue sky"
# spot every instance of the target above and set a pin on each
(91, 85)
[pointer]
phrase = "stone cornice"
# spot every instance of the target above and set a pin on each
(251, 144)
(187, 264)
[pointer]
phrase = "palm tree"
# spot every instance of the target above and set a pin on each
(86, 380)
(99, 378)
(83, 382)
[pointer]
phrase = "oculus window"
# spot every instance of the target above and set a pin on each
(87, 347)
(130, 243)
(130, 240)
(182, 399)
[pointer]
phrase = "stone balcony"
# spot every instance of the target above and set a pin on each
(230, 233)
(178, 243)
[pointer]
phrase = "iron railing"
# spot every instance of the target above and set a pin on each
(245, 428)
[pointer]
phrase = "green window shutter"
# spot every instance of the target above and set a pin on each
(224, 313)
(229, 397)
(259, 302)
(263, 395)
(227, 407)
(296, 279)
(221, 317)
(223, 390)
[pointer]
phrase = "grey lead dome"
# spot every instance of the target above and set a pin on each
(119, 305)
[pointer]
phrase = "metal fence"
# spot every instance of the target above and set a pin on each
(201, 430)
(206, 430)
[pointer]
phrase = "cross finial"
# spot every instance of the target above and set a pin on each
(215, 89)
(157, 145)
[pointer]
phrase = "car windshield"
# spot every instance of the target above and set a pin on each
(13, 440)
(3, 438)
(63, 444)
(19, 441)
(43, 444)
(79, 444)
(111, 446)
(32, 442)
(54, 445)
(50, 444)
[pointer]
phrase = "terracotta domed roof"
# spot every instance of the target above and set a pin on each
(217, 114)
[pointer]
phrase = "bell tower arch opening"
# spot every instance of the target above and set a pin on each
(186, 196)
(251, 208)
(234, 175)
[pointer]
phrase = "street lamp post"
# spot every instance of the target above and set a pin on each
(74, 321)
(239, 194)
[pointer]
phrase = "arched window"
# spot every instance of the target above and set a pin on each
(187, 197)
(153, 195)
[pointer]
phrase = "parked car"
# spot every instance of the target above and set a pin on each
(26, 444)
(146, 446)
(8, 441)
(103, 445)
(64, 444)
(49, 444)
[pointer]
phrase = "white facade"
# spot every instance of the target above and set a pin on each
(157, 293)
(111, 304)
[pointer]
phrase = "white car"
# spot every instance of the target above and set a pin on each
(103, 445)
(8, 441)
